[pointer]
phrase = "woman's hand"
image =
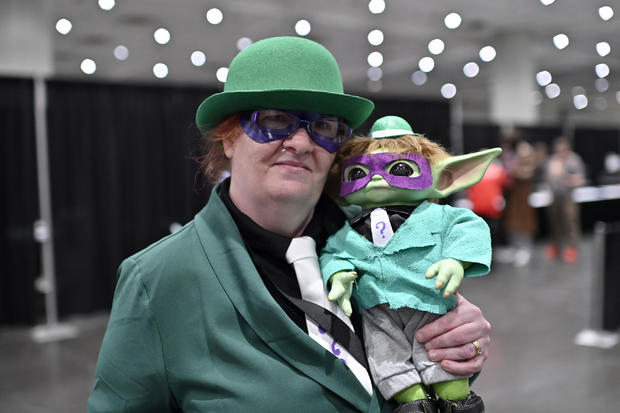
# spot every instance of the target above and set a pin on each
(450, 338)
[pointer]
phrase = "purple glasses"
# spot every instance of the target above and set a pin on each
(358, 170)
(268, 125)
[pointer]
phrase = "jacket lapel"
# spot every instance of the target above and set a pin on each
(238, 276)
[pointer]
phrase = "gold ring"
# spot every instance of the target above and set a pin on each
(476, 344)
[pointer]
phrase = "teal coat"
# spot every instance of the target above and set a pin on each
(193, 328)
(395, 274)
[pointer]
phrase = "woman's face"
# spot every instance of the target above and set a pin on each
(290, 170)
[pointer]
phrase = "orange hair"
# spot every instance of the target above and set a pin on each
(211, 159)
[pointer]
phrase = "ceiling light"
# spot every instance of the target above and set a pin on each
(606, 12)
(198, 58)
(222, 74)
(436, 46)
(63, 26)
(162, 36)
(552, 90)
(121, 52)
(375, 37)
(560, 41)
(547, 2)
(214, 16)
(160, 70)
(302, 27)
(601, 70)
(88, 66)
(602, 85)
(487, 53)
(375, 59)
(419, 78)
(107, 4)
(543, 78)
(580, 101)
(426, 64)
(376, 6)
(452, 20)
(375, 73)
(448, 91)
(471, 69)
(243, 42)
(603, 48)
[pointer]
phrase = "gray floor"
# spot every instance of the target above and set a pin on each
(534, 366)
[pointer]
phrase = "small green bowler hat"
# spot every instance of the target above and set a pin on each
(391, 127)
(288, 73)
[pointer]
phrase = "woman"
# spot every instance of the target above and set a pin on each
(206, 319)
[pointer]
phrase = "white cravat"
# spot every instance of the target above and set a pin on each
(380, 227)
(302, 254)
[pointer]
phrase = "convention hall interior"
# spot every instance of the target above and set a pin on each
(98, 140)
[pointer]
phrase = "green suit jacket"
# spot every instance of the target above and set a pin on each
(194, 329)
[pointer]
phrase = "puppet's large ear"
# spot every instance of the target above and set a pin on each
(459, 172)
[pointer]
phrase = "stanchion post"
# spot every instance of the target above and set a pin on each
(595, 335)
(52, 330)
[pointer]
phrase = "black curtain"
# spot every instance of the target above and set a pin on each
(477, 136)
(19, 253)
(592, 145)
(120, 175)
(545, 134)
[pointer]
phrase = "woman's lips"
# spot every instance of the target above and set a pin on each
(293, 165)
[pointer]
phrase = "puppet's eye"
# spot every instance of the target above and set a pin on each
(354, 172)
(403, 168)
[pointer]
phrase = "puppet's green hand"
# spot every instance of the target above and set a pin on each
(342, 288)
(449, 272)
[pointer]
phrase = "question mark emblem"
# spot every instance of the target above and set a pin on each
(382, 225)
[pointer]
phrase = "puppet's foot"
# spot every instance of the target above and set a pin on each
(472, 404)
(418, 406)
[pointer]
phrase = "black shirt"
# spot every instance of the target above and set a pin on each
(268, 250)
(397, 214)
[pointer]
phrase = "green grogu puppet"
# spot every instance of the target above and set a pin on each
(404, 256)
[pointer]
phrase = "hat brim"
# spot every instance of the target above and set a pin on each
(354, 109)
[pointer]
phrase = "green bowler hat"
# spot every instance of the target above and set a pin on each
(391, 127)
(288, 73)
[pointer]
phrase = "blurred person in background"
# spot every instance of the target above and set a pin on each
(222, 314)
(520, 219)
(564, 171)
(541, 153)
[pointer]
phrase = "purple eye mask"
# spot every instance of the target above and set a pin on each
(377, 163)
